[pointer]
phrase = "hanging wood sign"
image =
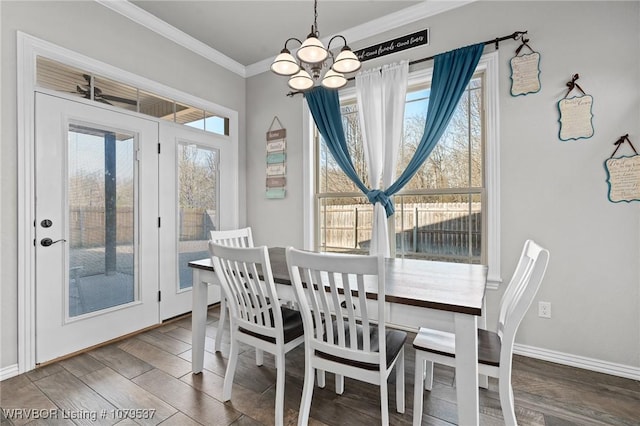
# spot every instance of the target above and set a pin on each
(276, 161)
(420, 38)
(575, 114)
(623, 174)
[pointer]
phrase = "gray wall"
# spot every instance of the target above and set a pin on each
(552, 191)
(95, 31)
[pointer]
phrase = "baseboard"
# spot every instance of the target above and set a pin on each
(592, 364)
(8, 372)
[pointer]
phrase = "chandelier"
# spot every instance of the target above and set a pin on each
(313, 59)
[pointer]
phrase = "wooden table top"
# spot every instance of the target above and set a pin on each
(453, 287)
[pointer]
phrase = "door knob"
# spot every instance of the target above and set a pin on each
(46, 242)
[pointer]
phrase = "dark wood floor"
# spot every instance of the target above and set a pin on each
(151, 372)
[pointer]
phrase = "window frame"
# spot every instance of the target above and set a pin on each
(489, 66)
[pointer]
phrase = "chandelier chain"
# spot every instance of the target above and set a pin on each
(315, 18)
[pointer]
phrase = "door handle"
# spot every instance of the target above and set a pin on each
(46, 242)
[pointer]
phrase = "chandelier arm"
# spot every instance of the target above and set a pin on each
(288, 40)
(344, 40)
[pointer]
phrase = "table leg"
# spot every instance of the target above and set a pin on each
(483, 379)
(200, 295)
(466, 330)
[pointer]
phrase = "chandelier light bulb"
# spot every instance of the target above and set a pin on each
(312, 51)
(301, 81)
(333, 80)
(346, 62)
(285, 64)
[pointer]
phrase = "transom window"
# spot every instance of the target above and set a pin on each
(439, 213)
(54, 75)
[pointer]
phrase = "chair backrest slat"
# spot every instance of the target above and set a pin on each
(233, 237)
(521, 291)
(253, 302)
(332, 293)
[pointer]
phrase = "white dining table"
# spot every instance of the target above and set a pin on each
(455, 288)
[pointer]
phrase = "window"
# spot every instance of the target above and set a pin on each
(63, 78)
(449, 210)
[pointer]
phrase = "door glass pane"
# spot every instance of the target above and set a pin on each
(101, 219)
(197, 205)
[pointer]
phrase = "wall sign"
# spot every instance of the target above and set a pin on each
(525, 71)
(420, 38)
(623, 174)
(575, 114)
(276, 159)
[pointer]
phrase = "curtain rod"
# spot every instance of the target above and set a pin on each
(514, 36)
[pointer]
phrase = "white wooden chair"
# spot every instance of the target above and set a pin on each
(233, 238)
(495, 349)
(257, 318)
(340, 334)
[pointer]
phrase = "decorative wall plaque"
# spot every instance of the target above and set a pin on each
(623, 174)
(575, 114)
(525, 74)
(525, 71)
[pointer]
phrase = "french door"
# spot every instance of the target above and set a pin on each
(96, 246)
(118, 217)
(193, 202)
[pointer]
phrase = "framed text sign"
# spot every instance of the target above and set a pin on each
(419, 38)
(576, 116)
(525, 70)
(623, 177)
(623, 174)
(525, 74)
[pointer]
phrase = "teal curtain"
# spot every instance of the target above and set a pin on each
(452, 72)
(325, 109)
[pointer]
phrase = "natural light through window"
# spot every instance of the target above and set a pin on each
(439, 213)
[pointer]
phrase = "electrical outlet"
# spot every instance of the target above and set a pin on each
(544, 309)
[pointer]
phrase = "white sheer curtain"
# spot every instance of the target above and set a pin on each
(381, 94)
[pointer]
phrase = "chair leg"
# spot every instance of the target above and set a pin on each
(307, 391)
(321, 376)
(259, 357)
(506, 402)
(428, 375)
(231, 370)
(339, 384)
(417, 390)
(384, 401)
(221, 321)
(400, 382)
(279, 388)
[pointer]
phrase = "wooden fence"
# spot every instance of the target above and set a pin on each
(437, 230)
(87, 225)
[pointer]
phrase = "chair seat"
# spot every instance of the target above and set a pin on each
(443, 343)
(292, 326)
(395, 340)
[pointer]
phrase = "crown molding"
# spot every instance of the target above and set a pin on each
(146, 19)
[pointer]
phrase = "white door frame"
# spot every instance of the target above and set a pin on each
(29, 48)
